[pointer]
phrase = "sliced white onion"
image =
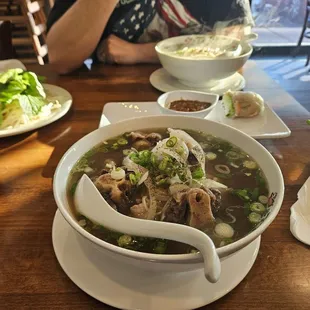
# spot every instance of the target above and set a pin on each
(175, 180)
(88, 170)
(211, 183)
(143, 178)
(173, 189)
(224, 230)
(118, 174)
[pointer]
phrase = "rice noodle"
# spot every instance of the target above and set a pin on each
(230, 209)
(144, 202)
(131, 166)
(163, 211)
(143, 178)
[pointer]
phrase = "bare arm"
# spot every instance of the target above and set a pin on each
(76, 34)
(116, 50)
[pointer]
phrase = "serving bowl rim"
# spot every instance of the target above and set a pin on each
(187, 258)
(161, 52)
(182, 113)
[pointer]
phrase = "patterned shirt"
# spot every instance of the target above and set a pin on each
(153, 20)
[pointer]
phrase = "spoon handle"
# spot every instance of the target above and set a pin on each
(91, 204)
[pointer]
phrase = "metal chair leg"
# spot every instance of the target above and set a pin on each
(308, 59)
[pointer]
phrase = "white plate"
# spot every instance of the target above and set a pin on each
(64, 98)
(11, 64)
(266, 126)
(163, 81)
(131, 288)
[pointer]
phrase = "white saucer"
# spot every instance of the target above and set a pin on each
(163, 81)
(131, 288)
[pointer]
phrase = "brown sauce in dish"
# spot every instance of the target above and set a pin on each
(188, 105)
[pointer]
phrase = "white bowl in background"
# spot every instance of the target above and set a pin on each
(201, 71)
(159, 262)
(165, 99)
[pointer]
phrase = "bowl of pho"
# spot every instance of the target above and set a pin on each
(202, 60)
(174, 169)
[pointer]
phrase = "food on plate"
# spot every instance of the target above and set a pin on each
(171, 175)
(188, 105)
(242, 104)
(23, 99)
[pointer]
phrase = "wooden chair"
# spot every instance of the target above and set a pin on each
(304, 32)
(6, 47)
(29, 27)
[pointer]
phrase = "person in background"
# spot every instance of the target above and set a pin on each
(126, 31)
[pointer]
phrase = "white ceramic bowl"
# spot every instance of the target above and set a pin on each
(165, 99)
(166, 263)
(200, 72)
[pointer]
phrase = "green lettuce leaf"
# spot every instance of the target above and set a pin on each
(23, 86)
(31, 105)
(11, 74)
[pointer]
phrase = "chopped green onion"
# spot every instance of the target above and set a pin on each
(126, 152)
(122, 141)
(249, 164)
(211, 156)
(162, 182)
(134, 157)
(153, 159)
(198, 173)
(114, 146)
(160, 247)
(133, 179)
(232, 155)
(255, 194)
(172, 142)
(145, 156)
(257, 207)
(254, 217)
(124, 241)
(163, 164)
(223, 169)
(263, 199)
(242, 193)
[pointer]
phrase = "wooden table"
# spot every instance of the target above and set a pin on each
(30, 276)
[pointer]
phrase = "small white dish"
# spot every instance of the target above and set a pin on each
(65, 100)
(266, 126)
(300, 215)
(165, 99)
(127, 287)
(163, 81)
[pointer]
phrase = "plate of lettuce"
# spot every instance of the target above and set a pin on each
(27, 104)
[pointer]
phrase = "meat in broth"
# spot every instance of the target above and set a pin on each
(177, 176)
